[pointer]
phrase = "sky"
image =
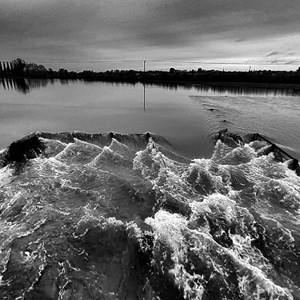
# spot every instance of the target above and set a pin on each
(120, 34)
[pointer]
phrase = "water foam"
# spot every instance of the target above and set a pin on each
(116, 216)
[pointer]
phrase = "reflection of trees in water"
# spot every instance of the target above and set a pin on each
(23, 85)
(236, 90)
(262, 91)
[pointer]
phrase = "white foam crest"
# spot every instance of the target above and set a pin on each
(252, 281)
(257, 145)
(171, 178)
(53, 147)
(135, 232)
(87, 144)
(6, 175)
(144, 162)
(81, 149)
(265, 167)
(244, 251)
(3, 151)
(121, 149)
(279, 192)
(65, 152)
(254, 285)
(169, 230)
(91, 216)
(4, 258)
(172, 231)
(10, 201)
(45, 140)
(106, 155)
(48, 166)
(216, 203)
(210, 176)
(166, 175)
(221, 207)
(291, 177)
(220, 151)
(286, 234)
(236, 156)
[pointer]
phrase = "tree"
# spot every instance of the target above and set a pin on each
(35, 69)
(8, 69)
(63, 72)
(172, 70)
(4, 67)
(17, 66)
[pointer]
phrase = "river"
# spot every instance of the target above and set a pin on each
(187, 116)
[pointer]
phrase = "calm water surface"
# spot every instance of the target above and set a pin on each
(187, 116)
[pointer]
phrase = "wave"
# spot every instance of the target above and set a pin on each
(122, 216)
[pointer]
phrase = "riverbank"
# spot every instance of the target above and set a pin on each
(260, 78)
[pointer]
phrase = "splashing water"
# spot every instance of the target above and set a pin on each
(122, 217)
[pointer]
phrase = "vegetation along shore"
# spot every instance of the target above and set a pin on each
(259, 78)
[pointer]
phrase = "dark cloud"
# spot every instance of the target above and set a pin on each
(122, 29)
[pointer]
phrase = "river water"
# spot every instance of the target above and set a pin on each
(173, 214)
(187, 116)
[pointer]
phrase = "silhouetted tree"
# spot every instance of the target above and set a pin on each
(63, 72)
(17, 66)
(35, 69)
(4, 67)
(8, 69)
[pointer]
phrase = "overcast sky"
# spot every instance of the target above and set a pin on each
(245, 32)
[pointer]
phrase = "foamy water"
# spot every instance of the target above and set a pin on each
(122, 217)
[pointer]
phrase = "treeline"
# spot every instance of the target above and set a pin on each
(20, 68)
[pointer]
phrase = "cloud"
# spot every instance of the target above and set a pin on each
(273, 53)
(158, 29)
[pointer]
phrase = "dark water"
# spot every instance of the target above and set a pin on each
(126, 216)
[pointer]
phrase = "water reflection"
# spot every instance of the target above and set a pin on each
(231, 90)
(25, 85)
(144, 87)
